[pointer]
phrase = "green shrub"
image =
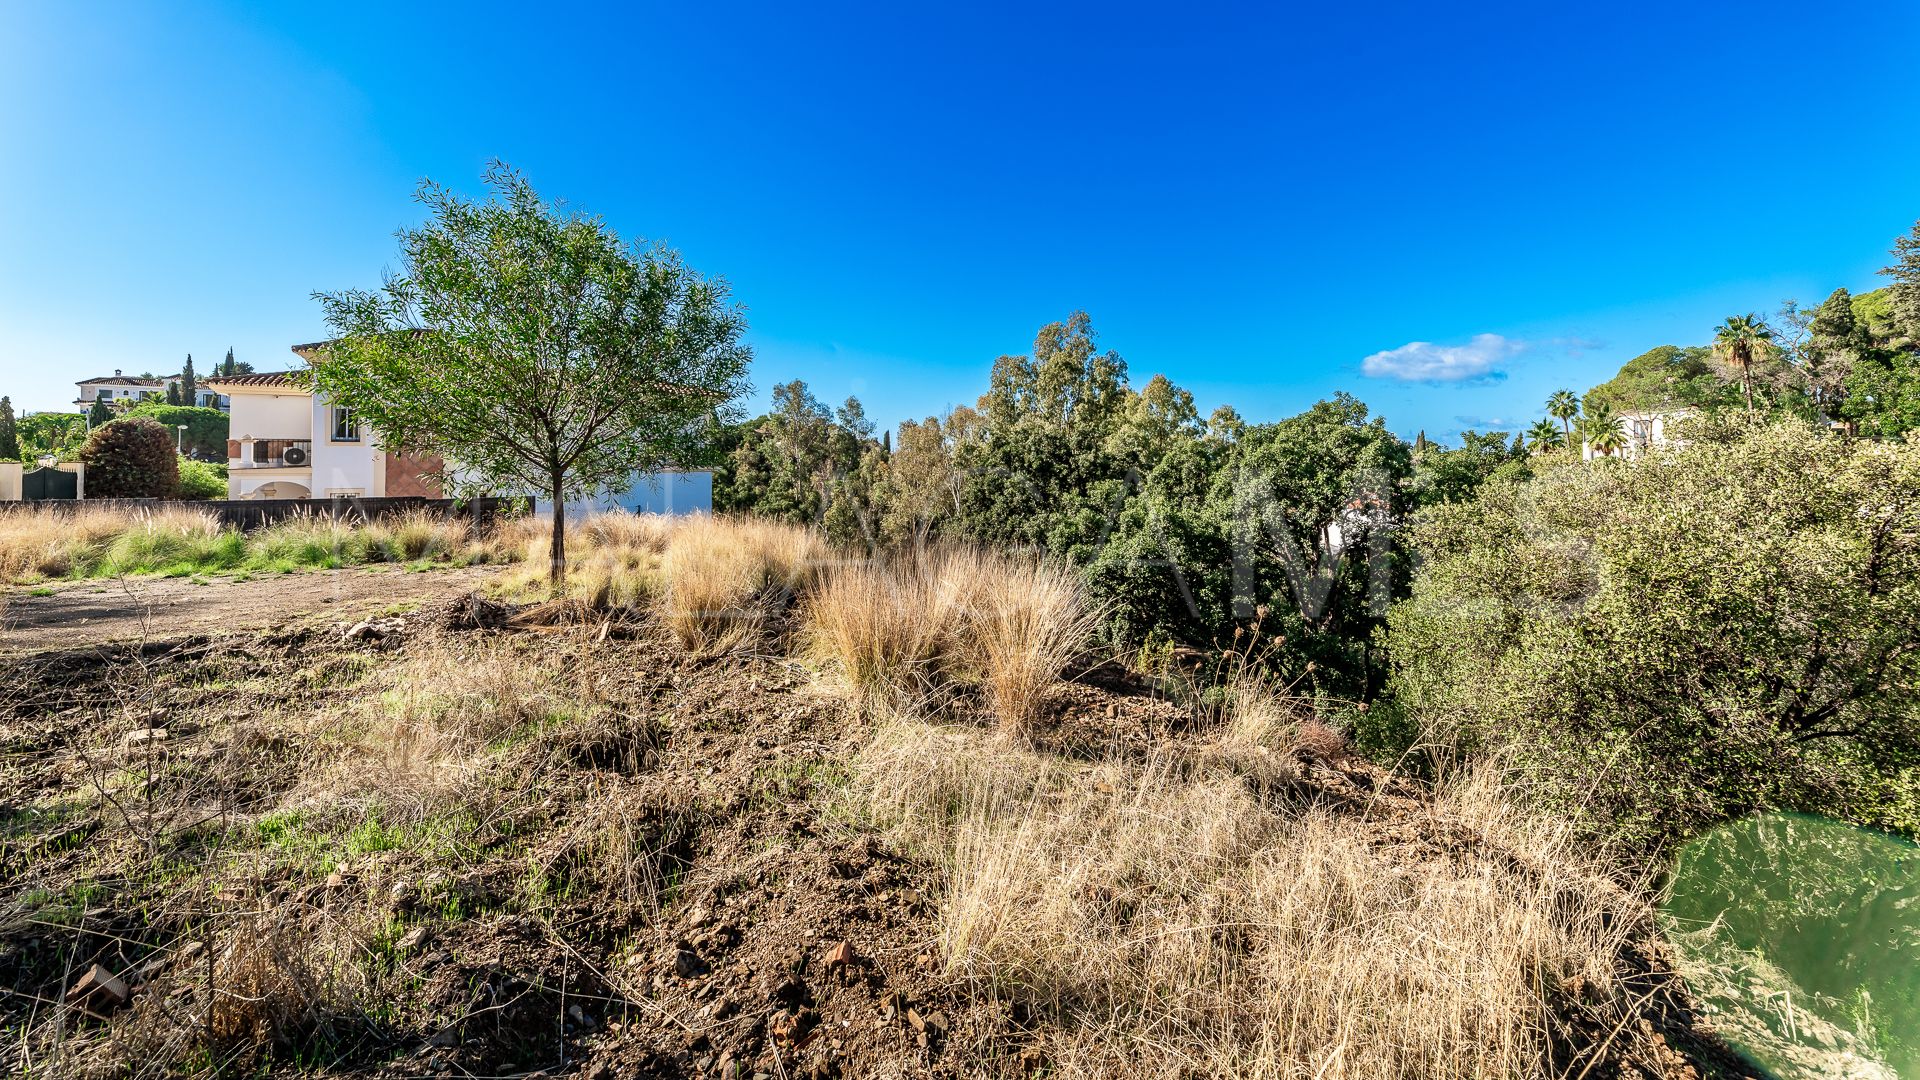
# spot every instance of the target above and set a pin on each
(207, 429)
(131, 459)
(202, 479)
(1716, 629)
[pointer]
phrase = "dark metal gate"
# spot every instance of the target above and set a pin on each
(49, 484)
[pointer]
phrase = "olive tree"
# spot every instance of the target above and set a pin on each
(534, 350)
(1713, 629)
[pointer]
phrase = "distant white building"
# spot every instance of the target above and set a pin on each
(287, 442)
(1644, 431)
(668, 491)
(117, 388)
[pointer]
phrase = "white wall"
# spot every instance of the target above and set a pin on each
(668, 492)
(343, 466)
(10, 473)
(271, 416)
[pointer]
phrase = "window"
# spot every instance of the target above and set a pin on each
(345, 493)
(345, 427)
(106, 393)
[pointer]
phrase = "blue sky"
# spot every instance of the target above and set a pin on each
(1266, 204)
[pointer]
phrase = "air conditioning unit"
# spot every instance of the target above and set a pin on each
(294, 456)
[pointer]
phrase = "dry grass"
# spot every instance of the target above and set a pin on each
(1032, 622)
(57, 542)
(905, 631)
(417, 534)
(724, 577)
(1178, 926)
(88, 541)
(286, 978)
(411, 737)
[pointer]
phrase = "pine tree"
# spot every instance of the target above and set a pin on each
(100, 413)
(189, 390)
(9, 433)
(1905, 290)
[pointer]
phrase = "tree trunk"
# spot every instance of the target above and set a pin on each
(1746, 383)
(557, 570)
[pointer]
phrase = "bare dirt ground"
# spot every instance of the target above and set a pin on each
(666, 881)
(77, 614)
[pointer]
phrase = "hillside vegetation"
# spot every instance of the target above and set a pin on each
(739, 806)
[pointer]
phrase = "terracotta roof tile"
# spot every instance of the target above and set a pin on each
(258, 378)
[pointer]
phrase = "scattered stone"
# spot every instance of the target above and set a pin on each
(840, 955)
(410, 940)
(148, 737)
(99, 991)
(373, 629)
(687, 963)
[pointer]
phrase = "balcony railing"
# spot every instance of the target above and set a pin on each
(272, 454)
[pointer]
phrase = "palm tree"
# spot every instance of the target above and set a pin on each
(1744, 339)
(1600, 427)
(1564, 406)
(1543, 436)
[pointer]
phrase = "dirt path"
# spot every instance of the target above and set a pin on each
(77, 614)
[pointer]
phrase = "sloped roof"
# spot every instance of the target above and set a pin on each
(257, 378)
(126, 380)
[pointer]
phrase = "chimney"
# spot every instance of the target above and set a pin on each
(116, 373)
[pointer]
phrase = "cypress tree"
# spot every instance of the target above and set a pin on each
(189, 390)
(100, 413)
(9, 433)
(173, 393)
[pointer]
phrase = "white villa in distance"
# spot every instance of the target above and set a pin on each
(120, 387)
(287, 442)
(1644, 431)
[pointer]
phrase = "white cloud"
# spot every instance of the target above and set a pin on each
(1423, 361)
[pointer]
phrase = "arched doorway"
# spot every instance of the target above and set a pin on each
(281, 489)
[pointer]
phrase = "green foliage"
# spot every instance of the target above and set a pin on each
(1442, 474)
(1189, 530)
(50, 433)
(207, 429)
(202, 479)
(1695, 635)
(533, 346)
(1543, 436)
(1662, 378)
(100, 412)
(131, 459)
(9, 431)
(1903, 296)
(805, 463)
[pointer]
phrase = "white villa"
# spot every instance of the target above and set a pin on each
(119, 387)
(1644, 431)
(287, 442)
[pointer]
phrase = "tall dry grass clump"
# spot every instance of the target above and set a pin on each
(908, 629)
(723, 578)
(49, 542)
(418, 534)
(899, 630)
(1032, 621)
(1177, 925)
